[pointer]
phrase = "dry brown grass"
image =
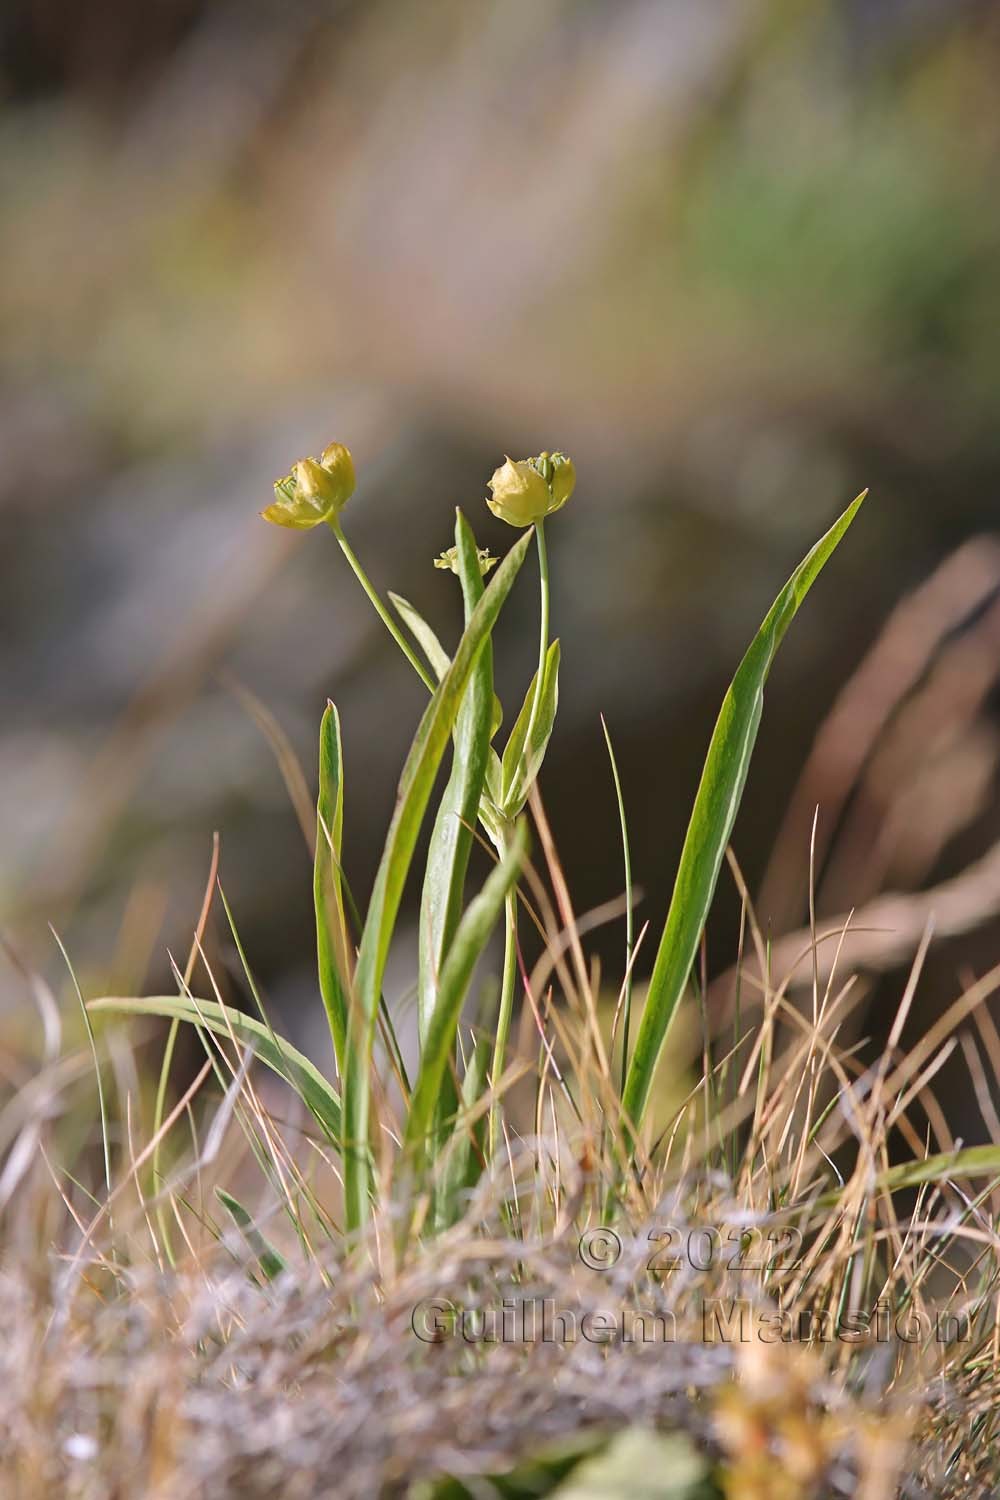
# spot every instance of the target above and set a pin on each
(148, 1352)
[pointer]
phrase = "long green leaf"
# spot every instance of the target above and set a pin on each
(522, 761)
(972, 1161)
(332, 947)
(467, 1146)
(423, 634)
(432, 648)
(415, 788)
(712, 818)
(277, 1054)
(451, 837)
(474, 930)
(943, 1166)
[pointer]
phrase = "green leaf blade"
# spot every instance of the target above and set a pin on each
(415, 788)
(280, 1056)
(714, 813)
(474, 930)
(423, 634)
(523, 760)
(466, 1148)
(332, 946)
(272, 1262)
(451, 837)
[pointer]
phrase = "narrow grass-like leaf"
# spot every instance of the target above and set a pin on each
(271, 1262)
(973, 1161)
(423, 634)
(101, 1103)
(432, 648)
(440, 662)
(332, 946)
(467, 1145)
(522, 761)
(712, 818)
(629, 911)
(943, 1166)
(473, 932)
(415, 788)
(451, 836)
(277, 1054)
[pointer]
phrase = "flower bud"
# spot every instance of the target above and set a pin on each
(529, 489)
(449, 559)
(314, 491)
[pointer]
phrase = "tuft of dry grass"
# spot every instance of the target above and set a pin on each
(159, 1343)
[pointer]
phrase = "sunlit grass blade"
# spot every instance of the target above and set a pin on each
(478, 921)
(629, 912)
(715, 807)
(451, 837)
(332, 946)
(101, 1101)
(415, 788)
(280, 1056)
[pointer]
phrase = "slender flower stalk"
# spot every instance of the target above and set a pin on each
(524, 492)
(316, 490)
(380, 609)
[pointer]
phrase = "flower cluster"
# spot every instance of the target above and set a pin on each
(449, 559)
(316, 490)
(526, 490)
(523, 492)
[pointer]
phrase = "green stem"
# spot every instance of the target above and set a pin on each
(380, 608)
(504, 1014)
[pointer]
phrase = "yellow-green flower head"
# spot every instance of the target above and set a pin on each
(449, 559)
(316, 490)
(526, 490)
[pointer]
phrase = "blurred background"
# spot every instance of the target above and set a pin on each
(740, 260)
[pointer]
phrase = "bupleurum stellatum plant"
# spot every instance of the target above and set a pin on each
(336, 1286)
(512, 1163)
(490, 788)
